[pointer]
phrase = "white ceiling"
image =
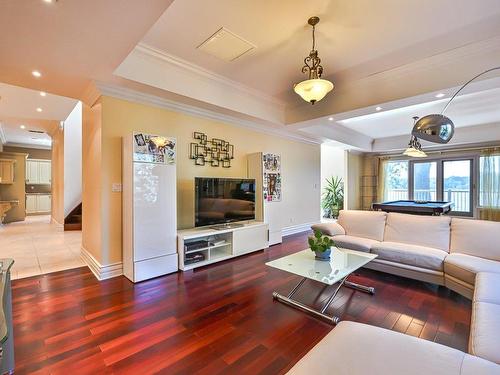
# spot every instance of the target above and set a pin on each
(18, 108)
(70, 42)
(467, 110)
(16, 136)
(20, 102)
(354, 38)
(389, 53)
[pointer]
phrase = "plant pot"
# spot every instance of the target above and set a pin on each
(323, 255)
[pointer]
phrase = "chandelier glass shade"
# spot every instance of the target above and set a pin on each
(414, 149)
(315, 88)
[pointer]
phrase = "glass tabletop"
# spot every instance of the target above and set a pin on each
(342, 263)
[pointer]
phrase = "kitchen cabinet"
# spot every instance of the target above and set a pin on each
(38, 172)
(7, 171)
(38, 203)
(31, 203)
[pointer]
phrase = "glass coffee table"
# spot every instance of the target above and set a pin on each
(343, 262)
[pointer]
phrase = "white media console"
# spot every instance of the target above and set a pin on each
(201, 246)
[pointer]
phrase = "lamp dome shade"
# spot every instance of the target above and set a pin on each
(313, 90)
(434, 128)
(414, 153)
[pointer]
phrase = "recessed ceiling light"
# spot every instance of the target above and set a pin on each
(36, 73)
(440, 95)
(378, 108)
(43, 93)
(39, 109)
(23, 127)
(330, 118)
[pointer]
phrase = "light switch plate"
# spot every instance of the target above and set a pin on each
(116, 187)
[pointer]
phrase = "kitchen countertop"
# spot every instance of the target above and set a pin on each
(6, 265)
(16, 201)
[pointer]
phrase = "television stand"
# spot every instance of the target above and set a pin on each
(201, 246)
(227, 226)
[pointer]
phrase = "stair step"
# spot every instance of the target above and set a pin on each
(73, 226)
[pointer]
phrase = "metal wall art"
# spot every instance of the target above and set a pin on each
(216, 152)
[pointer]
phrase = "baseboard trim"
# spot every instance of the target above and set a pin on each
(294, 229)
(101, 272)
(54, 221)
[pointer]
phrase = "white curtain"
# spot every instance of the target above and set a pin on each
(381, 188)
(489, 185)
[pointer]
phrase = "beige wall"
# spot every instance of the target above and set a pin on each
(354, 167)
(17, 189)
(332, 164)
(33, 153)
(300, 167)
(58, 176)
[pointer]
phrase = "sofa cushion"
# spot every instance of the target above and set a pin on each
(366, 224)
(487, 288)
(473, 365)
(417, 256)
(429, 231)
(464, 267)
(358, 349)
(354, 243)
(330, 229)
(480, 238)
(485, 331)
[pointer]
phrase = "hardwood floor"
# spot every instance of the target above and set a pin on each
(220, 319)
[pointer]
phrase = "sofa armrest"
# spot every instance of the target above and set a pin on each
(330, 229)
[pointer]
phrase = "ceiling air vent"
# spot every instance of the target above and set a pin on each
(226, 45)
(36, 131)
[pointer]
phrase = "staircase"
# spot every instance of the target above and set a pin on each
(74, 219)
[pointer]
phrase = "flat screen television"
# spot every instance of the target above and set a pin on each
(223, 200)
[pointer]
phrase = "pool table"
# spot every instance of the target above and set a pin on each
(415, 207)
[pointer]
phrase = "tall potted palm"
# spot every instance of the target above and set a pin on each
(333, 197)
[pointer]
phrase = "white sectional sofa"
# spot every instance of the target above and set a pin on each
(462, 254)
(359, 349)
(438, 249)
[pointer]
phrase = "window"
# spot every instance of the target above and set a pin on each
(441, 180)
(457, 184)
(424, 181)
(396, 180)
(489, 181)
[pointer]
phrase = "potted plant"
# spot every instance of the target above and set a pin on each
(333, 197)
(321, 245)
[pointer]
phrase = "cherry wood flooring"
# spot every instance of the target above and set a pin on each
(220, 319)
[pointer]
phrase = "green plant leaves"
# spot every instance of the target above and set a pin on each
(319, 242)
(333, 196)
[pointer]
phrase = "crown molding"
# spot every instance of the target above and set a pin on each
(91, 94)
(27, 145)
(119, 92)
(198, 70)
(334, 131)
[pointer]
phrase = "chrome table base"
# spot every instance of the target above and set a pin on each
(288, 300)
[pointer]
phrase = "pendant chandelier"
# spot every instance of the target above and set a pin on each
(414, 147)
(313, 89)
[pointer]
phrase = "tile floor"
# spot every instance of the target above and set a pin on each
(39, 247)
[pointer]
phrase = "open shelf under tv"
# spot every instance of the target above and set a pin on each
(221, 244)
